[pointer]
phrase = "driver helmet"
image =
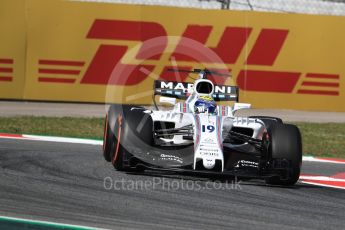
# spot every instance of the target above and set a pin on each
(205, 104)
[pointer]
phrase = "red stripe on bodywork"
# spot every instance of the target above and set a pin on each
(319, 75)
(57, 80)
(320, 92)
(59, 71)
(59, 62)
(184, 107)
(267, 47)
(322, 84)
(267, 81)
(197, 139)
(219, 130)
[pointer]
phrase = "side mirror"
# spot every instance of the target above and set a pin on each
(238, 106)
(167, 100)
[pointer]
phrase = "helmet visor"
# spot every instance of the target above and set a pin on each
(204, 87)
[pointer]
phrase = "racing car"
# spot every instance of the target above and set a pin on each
(200, 135)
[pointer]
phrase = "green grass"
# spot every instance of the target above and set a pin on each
(323, 139)
(327, 139)
(91, 128)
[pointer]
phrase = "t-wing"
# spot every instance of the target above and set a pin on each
(182, 90)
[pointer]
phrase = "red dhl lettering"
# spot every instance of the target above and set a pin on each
(231, 43)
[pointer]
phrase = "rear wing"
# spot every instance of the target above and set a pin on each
(181, 90)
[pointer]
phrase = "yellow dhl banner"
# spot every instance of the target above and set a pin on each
(12, 49)
(95, 52)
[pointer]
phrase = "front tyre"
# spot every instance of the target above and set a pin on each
(118, 152)
(134, 130)
(110, 127)
(285, 150)
(108, 138)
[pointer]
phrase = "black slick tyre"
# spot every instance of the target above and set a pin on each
(133, 130)
(285, 143)
(110, 130)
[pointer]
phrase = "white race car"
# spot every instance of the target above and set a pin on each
(201, 137)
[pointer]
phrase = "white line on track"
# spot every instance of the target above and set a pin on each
(321, 178)
(324, 181)
(52, 139)
(323, 160)
(322, 185)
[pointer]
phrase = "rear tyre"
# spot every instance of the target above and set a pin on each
(285, 145)
(134, 131)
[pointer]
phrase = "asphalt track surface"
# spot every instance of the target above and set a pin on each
(70, 183)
